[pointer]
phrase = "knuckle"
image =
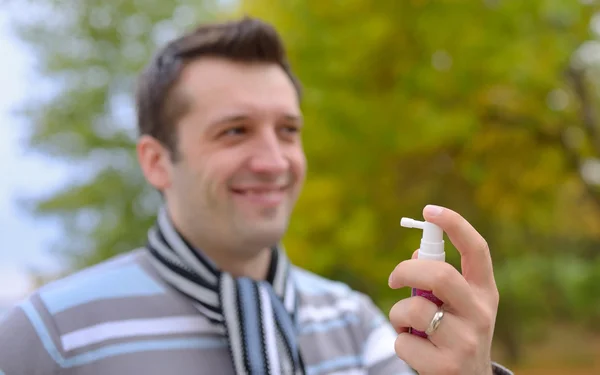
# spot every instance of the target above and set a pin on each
(469, 345)
(399, 315)
(413, 307)
(399, 346)
(495, 297)
(396, 276)
(487, 322)
(452, 367)
(393, 314)
(484, 245)
(445, 275)
(415, 312)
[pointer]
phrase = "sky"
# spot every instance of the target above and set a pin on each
(25, 240)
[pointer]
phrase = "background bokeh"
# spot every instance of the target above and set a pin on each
(489, 107)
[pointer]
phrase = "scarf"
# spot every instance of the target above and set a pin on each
(257, 317)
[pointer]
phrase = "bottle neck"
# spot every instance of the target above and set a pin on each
(432, 251)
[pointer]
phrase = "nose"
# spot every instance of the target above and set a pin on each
(268, 156)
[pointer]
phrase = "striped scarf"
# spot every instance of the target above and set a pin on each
(258, 317)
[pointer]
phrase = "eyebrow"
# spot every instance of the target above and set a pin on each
(237, 118)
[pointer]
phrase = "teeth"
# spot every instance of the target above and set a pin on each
(260, 192)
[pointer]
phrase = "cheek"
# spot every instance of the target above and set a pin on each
(298, 163)
(188, 176)
(212, 173)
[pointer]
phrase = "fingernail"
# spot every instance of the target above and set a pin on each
(433, 210)
(390, 280)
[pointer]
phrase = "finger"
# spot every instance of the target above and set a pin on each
(417, 312)
(415, 255)
(412, 312)
(476, 261)
(443, 280)
(419, 353)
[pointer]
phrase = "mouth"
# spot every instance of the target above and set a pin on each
(265, 196)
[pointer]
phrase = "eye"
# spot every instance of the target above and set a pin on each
(233, 131)
(290, 129)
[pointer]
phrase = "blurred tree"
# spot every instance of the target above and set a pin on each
(473, 105)
(486, 107)
(90, 54)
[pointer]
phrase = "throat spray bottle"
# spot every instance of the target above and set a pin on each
(432, 248)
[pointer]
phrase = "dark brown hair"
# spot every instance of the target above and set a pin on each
(157, 102)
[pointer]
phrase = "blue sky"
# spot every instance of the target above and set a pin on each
(25, 240)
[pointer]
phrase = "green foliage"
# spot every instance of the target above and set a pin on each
(458, 103)
(92, 51)
(474, 105)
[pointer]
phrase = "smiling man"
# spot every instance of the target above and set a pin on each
(212, 291)
(233, 164)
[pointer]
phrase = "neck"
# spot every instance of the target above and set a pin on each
(237, 262)
(254, 267)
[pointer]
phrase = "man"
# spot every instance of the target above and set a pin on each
(212, 291)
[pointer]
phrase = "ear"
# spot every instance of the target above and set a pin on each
(155, 162)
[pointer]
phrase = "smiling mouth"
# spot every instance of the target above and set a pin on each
(259, 191)
(264, 196)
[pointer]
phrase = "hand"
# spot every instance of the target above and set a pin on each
(462, 342)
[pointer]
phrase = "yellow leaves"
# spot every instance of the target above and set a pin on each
(413, 102)
(317, 213)
(333, 9)
(576, 213)
(502, 97)
(320, 201)
(357, 233)
(521, 180)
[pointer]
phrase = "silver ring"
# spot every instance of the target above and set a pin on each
(435, 321)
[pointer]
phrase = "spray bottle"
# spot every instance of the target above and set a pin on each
(432, 248)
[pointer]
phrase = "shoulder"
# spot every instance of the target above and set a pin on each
(119, 277)
(100, 315)
(89, 293)
(40, 324)
(322, 298)
(310, 283)
(340, 321)
(79, 315)
(122, 289)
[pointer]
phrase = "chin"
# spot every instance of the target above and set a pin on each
(263, 235)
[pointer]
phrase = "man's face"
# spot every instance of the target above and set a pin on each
(241, 164)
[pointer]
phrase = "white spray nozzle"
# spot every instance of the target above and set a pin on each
(432, 242)
(410, 223)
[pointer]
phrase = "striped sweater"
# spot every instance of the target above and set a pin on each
(119, 317)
